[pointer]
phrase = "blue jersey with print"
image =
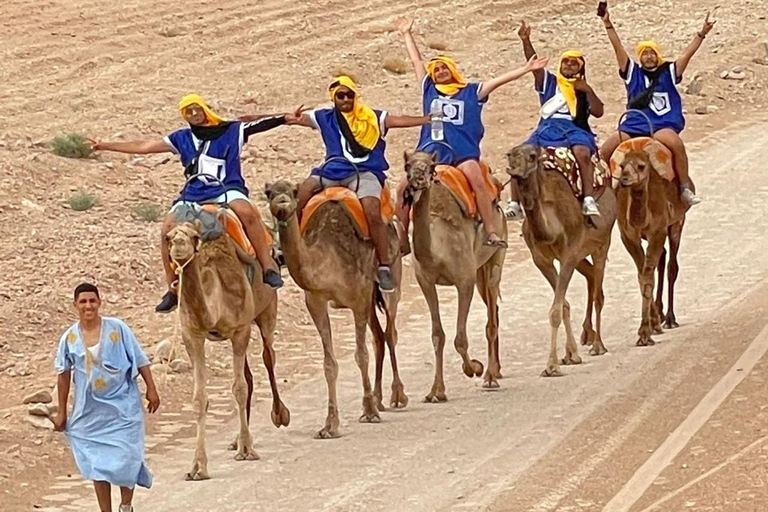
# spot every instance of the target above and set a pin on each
(220, 158)
(462, 121)
(666, 107)
(337, 147)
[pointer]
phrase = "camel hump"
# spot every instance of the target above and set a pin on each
(460, 188)
(234, 228)
(351, 205)
(659, 155)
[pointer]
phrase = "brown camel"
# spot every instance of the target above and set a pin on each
(448, 250)
(333, 264)
(217, 301)
(555, 229)
(650, 208)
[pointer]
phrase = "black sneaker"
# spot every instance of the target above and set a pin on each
(168, 304)
(386, 282)
(272, 279)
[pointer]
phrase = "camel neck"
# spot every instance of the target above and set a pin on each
(294, 250)
(638, 205)
(192, 291)
(422, 234)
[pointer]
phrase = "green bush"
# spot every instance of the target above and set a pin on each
(71, 145)
(148, 212)
(82, 201)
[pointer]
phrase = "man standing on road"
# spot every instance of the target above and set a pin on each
(106, 427)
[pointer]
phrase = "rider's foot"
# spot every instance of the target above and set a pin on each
(589, 207)
(168, 303)
(494, 240)
(126, 508)
(689, 197)
(386, 281)
(513, 211)
(272, 279)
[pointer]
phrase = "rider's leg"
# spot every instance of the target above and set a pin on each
(675, 144)
(587, 171)
(307, 189)
(254, 228)
(403, 212)
(474, 174)
(169, 300)
(610, 145)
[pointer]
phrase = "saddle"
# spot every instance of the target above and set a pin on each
(351, 206)
(659, 155)
(455, 180)
(234, 228)
(563, 161)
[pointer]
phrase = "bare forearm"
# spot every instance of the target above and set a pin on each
(140, 147)
(146, 374)
(685, 58)
(621, 54)
(596, 107)
(528, 48)
(415, 55)
(62, 385)
(406, 121)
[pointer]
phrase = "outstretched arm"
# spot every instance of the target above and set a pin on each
(621, 54)
(682, 62)
(405, 121)
(138, 147)
(404, 25)
(533, 64)
(525, 36)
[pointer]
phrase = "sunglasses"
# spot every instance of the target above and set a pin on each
(341, 95)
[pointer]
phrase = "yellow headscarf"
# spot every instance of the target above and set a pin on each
(645, 45)
(458, 81)
(566, 84)
(211, 118)
(362, 121)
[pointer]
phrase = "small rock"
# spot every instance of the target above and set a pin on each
(704, 110)
(163, 351)
(39, 410)
(180, 366)
(38, 422)
(39, 397)
(695, 86)
(160, 368)
(738, 69)
(724, 75)
(736, 76)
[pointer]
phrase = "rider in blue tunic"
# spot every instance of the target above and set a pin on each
(651, 85)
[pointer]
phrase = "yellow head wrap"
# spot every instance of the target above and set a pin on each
(362, 121)
(458, 81)
(645, 45)
(566, 84)
(211, 118)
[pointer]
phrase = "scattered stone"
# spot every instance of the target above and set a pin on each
(39, 397)
(738, 69)
(43, 410)
(180, 366)
(163, 351)
(695, 86)
(733, 75)
(160, 368)
(38, 422)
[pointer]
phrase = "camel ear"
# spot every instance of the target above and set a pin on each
(198, 224)
(435, 156)
(295, 190)
(408, 154)
(268, 190)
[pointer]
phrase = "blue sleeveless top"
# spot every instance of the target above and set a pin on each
(462, 121)
(666, 108)
(336, 145)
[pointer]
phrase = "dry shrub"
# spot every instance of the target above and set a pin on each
(437, 44)
(71, 145)
(395, 65)
(82, 201)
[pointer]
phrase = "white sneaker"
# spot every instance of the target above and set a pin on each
(513, 211)
(589, 207)
(126, 508)
(689, 197)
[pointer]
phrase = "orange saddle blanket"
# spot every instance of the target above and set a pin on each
(658, 153)
(459, 186)
(563, 161)
(351, 204)
(234, 228)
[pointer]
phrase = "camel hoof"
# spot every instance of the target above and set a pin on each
(247, 455)
(380, 405)
(327, 433)
(491, 385)
(598, 350)
(671, 324)
(281, 417)
(657, 329)
(399, 399)
(370, 418)
(552, 371)
(196, 476)
(588, 337)
(232, 446)
(474, 369)
(435, 398)
(571, 360)
(645, 342)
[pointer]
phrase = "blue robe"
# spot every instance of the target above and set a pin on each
(106, 425)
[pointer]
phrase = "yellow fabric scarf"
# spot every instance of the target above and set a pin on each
(362, 120)
(645, 45)
(458, 81)
(566, 84)
(211, 118)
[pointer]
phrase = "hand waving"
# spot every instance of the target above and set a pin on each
(404, 25)
(524, 31)
(535, 63)
(708, 26)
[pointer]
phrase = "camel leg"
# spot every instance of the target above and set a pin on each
(370, 411)
(378, 350)
(655, 246)
(635, 249)
(600, 258)
(281, 416)
(488, 287)
(318, 310)
(471, 367)
(437, 393)
(675, 235)
(240, 340)
(571, 347)
(249, 393)
(195, 346)
(588, 334)
(556, 317)
(660, 284)
(399, 399)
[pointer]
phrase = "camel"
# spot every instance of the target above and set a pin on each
(334, 265)
(650, 208)
(217, 301)
(555, 229)
(448, 250)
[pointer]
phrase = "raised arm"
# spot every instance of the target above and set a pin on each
(621, 54)
(682, 62)
(138, 147)
(404, 26)
(525, 36)
(533, 64)
(405, 121)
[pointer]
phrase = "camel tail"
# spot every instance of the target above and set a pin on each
(381, 305)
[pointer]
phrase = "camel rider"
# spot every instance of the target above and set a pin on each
(651, 88)
(567, 102)
(353, 133)
(209, 146)
(459, 105)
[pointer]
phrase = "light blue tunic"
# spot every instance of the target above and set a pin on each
(106, 426)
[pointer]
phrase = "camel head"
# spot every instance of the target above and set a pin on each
(635, 168)
(184, 241)
(420, 169)
(282, 199)
(523, 161)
